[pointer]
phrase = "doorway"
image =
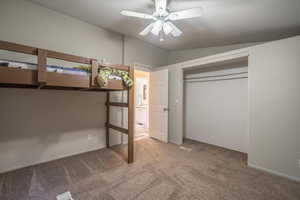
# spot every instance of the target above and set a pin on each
(141, 104)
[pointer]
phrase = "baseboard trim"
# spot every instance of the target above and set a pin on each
(50, 160)
(274, 172)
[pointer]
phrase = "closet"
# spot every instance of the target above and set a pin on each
(216, 105)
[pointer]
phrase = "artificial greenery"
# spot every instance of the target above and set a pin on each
(104, 73)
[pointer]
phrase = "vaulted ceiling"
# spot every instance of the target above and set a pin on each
(224, 22)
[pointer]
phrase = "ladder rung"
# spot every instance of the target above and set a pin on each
(123, 130)
(117, 104)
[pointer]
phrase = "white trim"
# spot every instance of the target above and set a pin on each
(230, 55)
(53, 158)
(143, 67)
(274, 172)
(235, 55)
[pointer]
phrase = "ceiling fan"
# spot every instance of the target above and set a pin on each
(162, 19)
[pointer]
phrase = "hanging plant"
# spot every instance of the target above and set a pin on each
(104, 73)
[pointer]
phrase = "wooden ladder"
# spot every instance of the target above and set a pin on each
(130, 130)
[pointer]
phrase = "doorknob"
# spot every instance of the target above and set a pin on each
(166, 109)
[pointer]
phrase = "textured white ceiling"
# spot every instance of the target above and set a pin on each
(224, 22)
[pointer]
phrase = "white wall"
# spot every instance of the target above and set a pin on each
(41, 125)
(216, 106)
(139, 52)
(26, 23)
(175, 120)
(189, 54)
(274, 97)
(274, 103)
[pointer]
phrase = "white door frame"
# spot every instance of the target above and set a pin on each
(221, 58)
(142, 67)
(145, 68)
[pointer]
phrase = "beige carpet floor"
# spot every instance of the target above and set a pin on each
(160, 172)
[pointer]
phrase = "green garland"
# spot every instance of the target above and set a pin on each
(103, 75)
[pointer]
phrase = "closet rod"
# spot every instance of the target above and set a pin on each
(223, 79)
(215, 76)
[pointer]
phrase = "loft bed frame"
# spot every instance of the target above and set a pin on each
(41, 79)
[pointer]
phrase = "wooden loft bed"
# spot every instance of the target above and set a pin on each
(41, 79)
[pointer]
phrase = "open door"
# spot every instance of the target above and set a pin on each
(141, 84)
(158, 105)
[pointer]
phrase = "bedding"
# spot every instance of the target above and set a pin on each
(102, 78)
(50, 68)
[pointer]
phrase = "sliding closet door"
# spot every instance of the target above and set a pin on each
(216, 108)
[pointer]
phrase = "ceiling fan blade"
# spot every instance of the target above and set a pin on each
(176, 31)
(167, 28)
(147, 29)
(186, 14)
(160, 6)
(157, 27)
(136, 14)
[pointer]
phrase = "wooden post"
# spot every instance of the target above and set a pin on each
(130, 102)
(107, 119)
(94, 72)
(42, 66)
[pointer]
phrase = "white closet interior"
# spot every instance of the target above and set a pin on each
(216, 105)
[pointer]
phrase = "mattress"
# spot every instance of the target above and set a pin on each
(50, 68)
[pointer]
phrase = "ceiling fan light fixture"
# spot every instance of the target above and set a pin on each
(157, 27)
(167, 28)
(147, 30)
(176, 31)
(162, 19)
(161, 35)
